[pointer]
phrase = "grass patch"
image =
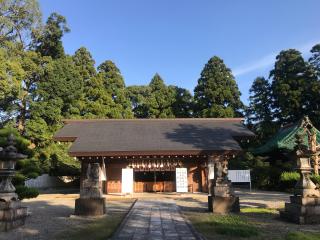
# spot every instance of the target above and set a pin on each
(302, 236)
(84, 228)
(101, 228)
(230, 225)
(259, 210)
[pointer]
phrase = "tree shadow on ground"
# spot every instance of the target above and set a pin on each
(206, 138)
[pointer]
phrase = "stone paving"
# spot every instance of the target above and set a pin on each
(156, 219)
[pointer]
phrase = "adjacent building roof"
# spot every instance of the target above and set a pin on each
(115, 137)
(284, 140)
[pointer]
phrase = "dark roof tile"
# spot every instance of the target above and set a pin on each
(152, 135)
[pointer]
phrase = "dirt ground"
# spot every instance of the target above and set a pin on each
(50, 213)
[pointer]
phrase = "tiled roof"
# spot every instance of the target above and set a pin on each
(143, 136)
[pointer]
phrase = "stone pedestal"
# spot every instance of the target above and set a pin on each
(12, 215)
(90, 206)
(302, 210)
(91, 201)
(223, 205)
(222, 199)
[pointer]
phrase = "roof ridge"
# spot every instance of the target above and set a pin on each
(152, 119)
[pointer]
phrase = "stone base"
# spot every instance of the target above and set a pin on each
(302, 210)
(90, 206)
(223, 205)
(12, 215)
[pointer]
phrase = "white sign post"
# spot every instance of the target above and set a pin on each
(181, 180)
(127, 180)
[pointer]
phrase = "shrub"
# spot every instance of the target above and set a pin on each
(18, 179)
(26, 192)
(316, 179)
(288, 180)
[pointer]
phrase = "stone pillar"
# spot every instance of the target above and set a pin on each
(91, 201)
(304, 205)
(222, 199)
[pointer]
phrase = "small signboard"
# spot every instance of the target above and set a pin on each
(182, 180)
(127, 180)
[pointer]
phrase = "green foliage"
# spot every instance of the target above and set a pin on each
(139, 96)
(315, 179)
(217, 93)
(85, 63)
(314, 60)
(18, 19)
(302, 236)
(182, 106)
(26, 168)
(260, 170)
(106, 95)
(288, 180)
(161, 99)
(22, 144)
(11, 75)
(292, 79)
(26, 192)
(48, 41)
(157, 100)
(259, 113)
(289, 176)
(55, 160)
(18, 179)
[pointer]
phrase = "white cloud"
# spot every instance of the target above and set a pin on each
(269, 60)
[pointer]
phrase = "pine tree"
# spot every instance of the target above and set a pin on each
(217, 93)
(182, 107)
(313, 72)
(314, 60)
(106, 94)
(99, 102)
(259, 113)
(85, 63)
(139, 96)
(49, 41)
(292, 80)
(161, 99)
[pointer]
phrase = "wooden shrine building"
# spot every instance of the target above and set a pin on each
(147, 155)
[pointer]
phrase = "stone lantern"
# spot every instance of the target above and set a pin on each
(304, 205)
(12, 214)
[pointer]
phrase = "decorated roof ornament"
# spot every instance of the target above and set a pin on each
(285, 141)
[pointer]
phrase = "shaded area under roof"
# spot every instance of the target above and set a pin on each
(284, 139)
(152, 136)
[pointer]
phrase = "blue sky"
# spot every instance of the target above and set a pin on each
(177, 37)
